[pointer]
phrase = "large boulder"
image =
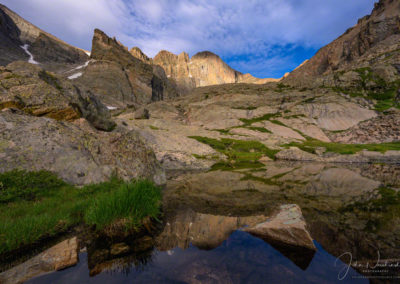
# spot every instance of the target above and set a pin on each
(76, 152)
(286, 227)
(41, 93)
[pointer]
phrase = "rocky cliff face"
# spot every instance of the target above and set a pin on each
(119, 78)
(203, 69)
(374, 41)
(40, 47)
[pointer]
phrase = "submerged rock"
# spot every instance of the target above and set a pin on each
(287, 227)
(58, 257)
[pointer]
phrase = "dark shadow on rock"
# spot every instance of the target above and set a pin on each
(10, 43)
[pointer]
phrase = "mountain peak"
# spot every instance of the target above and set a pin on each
(205, 54)
(139, 54)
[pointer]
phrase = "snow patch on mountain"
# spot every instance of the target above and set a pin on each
(31, 60)
(74, 76)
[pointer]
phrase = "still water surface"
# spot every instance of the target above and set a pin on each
(201, 241)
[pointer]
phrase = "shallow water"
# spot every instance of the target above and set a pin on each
(201, 241)
(239, 259)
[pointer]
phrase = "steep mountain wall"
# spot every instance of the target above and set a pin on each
(365, 44)
(47, 50)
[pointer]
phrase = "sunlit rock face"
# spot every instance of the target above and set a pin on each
(203, 69)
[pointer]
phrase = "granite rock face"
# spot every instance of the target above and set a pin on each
(38, 92)
(138, 53)
(47, 50)
(373, 42)
(76, 152)
(203, 69)
(120, 78)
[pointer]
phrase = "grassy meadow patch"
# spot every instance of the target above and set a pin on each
(35, 205)
(239, 153)
(310, 145)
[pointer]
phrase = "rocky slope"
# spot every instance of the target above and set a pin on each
(119, 79)
(37, 92)
(274, 117)
(48, 122)
(373, 42)
(20, 40)
(286, 120)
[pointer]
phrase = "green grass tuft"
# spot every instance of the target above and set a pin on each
(22, 185)
(45, 206)
(278, 122)
(133, 202)
(268, 116)
(246, 108)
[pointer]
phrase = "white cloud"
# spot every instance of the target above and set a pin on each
(228, 28)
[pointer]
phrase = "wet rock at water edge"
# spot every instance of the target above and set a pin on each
(287, 227)
(286, 232)
(58, 257)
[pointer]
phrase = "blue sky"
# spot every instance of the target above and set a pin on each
(263, 37)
